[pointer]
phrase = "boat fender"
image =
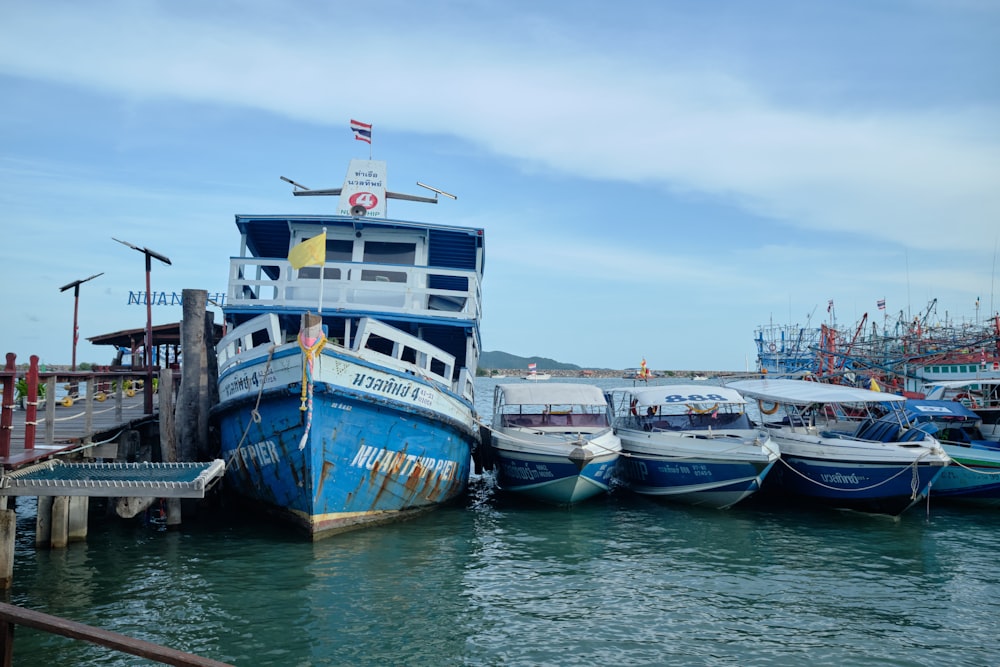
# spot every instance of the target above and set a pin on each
(767, 411)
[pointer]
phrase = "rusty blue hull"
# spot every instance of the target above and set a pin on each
(356, 459)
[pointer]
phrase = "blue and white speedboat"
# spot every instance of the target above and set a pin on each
(346, 378)
(829, 456)
(690, 443)
(553, 441)
(981, 395)
(974, 475)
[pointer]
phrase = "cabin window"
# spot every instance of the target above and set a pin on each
(385, 252)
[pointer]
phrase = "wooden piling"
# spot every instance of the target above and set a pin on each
(43, 521)
(76, 530)
(60, 522)
(8, 527)
(191, 417)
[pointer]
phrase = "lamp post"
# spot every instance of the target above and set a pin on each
(76, 309)
(148, 393)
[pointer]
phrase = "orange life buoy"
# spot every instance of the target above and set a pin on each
(632, 407)
(770, 411)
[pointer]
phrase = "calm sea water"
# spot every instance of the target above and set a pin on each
(614, 581)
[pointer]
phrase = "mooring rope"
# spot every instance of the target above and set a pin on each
(255, 412)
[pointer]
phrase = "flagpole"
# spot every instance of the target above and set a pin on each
(322, 278)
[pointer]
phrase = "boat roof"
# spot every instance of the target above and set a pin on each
(450, 245)
(803, 392)
(562, 393)
(961, 384)
(927, 409)
(682, 393)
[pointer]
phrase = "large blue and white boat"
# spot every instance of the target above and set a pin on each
(831, 455)
(690, 443)
(553, 441)
(346, 378)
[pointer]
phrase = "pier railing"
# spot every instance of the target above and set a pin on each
(90, 386)
(11, 616)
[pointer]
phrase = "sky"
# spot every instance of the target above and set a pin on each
(655, 178)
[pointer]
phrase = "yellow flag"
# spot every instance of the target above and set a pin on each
(309, 253)
(874, 386)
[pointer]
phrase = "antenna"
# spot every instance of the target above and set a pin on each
(433, 189)
(298, 185)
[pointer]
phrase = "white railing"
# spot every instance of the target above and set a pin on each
(256, 338)
(386, 288)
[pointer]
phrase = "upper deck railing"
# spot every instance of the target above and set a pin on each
(387, 288)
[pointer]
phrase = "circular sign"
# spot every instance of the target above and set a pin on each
(366, 199)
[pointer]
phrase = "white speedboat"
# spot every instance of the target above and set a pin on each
(831, 455)
(690, 443)
(553, 442)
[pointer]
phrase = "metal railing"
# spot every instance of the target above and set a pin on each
(388, 288)
(11, 616)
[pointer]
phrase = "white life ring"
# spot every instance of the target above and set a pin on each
(772, 347)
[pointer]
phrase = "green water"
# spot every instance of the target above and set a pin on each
(621, 581)
(614, 581)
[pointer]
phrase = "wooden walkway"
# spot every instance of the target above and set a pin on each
(82, 408)
(60, 429)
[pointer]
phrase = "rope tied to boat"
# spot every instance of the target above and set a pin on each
(255, 411)
(310, 347)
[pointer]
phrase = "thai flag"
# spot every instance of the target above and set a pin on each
(362, 131)
(881, 304)
(531, 367)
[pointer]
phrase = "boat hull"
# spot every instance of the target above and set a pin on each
(555, 479)
(694, 481)
(372, 444)
(886, 487)
(973, 478)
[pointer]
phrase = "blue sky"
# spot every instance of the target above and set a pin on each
(655, 178)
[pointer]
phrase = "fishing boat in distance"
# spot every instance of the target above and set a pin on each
(553, 442)
(533, 374)
(832, 455)
(346, 378)
(690, 443)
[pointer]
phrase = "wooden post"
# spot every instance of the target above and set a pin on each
(77, 523)
(193, 422)
(168, 438)
(60, 522)
(88, 408)
(8, 526)
(31, 404)
(50, 410)
(7, 407)
(43, 521)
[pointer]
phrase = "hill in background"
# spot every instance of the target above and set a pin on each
(505, 361)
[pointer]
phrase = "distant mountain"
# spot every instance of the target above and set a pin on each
(503, 360)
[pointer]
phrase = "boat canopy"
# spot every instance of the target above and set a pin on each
(925, 410)
(804, 392)
(551, 393)
(682, 393)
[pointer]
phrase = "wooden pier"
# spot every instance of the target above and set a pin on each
(94, 409)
